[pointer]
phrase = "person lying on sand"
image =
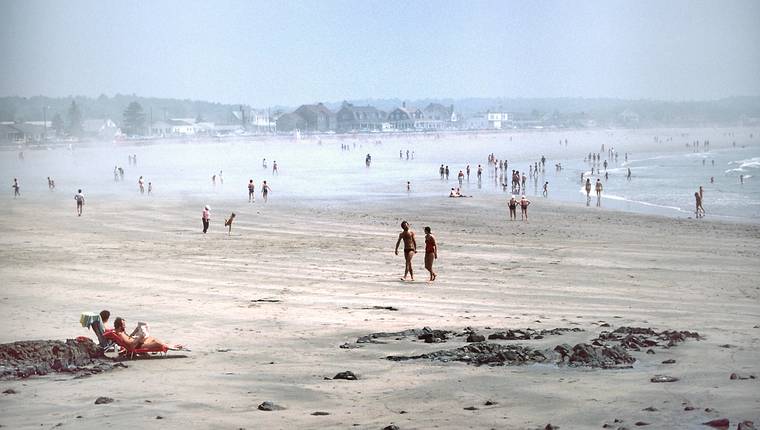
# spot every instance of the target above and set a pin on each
(139, 337)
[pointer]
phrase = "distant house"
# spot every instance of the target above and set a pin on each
(23, 132)
(629, 117)
(438, 116)
(174, 127)
(317, 116)
(497, 120)
(100, 128)
(403, 118)
(359, 118)
(290, 122)
(10, 134)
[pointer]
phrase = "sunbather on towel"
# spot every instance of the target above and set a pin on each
(139, 341)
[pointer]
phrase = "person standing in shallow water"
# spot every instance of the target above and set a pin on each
(431, 253)
(206, 218)
(524, 203)
(599, 192)
(16, 188)
(588, 191)
(265, 189)
(410, 248)
(700, 211)
(251, 194)
(512, 204)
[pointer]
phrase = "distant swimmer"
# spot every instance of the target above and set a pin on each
(468, 172)
(442, 171)
(512, 205)
(410, 248)
(275, 171)
(408, 187)
(265, 189)
(213, 179)
(699, 210)
(431, 253)
(79, 198)
(150, 188)
(712, 179)
(228, 223)
(599, 192)
(588, 191)
(460, 176)
(16, 188)
(524, 203)
(480, 171)
(606, 175)
(251, 194)
(741, 179)
(546, 189)
(206, 218)
(141, 184)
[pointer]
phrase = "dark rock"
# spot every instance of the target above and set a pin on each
(663, 378)
(474, 337)
(490, 403)
(320, 413)
(347, 375)
(433, 336)
(592, 356)
(270, 406)
(651, 409)
(733, 376)
(740, 376)
(637, 338)
(349, 346)
(383, 308)
(689, 408)
(492, 354)
(651, 351)
(159, 417)
(669, 361)
(551, 427)
(372, 337)
(40, 357)
(721, 423)
(641, 423)
(470, 408)
(103, 400)
(726, 345)
(746, 425)
(391, 427)
(10, 391)
(708, 409)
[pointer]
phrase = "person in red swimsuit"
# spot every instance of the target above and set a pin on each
(431, 253)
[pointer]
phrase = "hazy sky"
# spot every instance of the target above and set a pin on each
(282, 52)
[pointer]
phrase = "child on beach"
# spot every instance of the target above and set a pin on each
(228, 223)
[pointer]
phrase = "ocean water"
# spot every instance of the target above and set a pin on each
(665, 172)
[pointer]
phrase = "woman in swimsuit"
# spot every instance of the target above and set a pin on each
(431, 253)
(524, 208)
(512, 204)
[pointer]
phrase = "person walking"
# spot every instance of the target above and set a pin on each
(524, 203)
(251, 194)
(16, 188)
(431, 253)
(79, 198)
(206, 218)
(410, 248)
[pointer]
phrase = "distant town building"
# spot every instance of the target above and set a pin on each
(318, 118)
(359, 118)
(497, 120)
(104, 129)
(288, 122)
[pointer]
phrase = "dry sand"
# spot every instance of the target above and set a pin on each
(570, 266)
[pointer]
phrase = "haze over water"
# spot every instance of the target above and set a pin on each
(665, 174)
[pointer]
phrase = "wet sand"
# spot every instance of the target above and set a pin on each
(266, 309)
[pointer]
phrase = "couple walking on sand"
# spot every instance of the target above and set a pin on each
(410, 248)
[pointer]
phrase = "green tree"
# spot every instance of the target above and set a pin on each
(75, 120)
(57, 124)
(134, 119)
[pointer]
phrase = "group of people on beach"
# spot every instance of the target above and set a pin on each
(407, 236)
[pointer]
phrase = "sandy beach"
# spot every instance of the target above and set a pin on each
(266, 310)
